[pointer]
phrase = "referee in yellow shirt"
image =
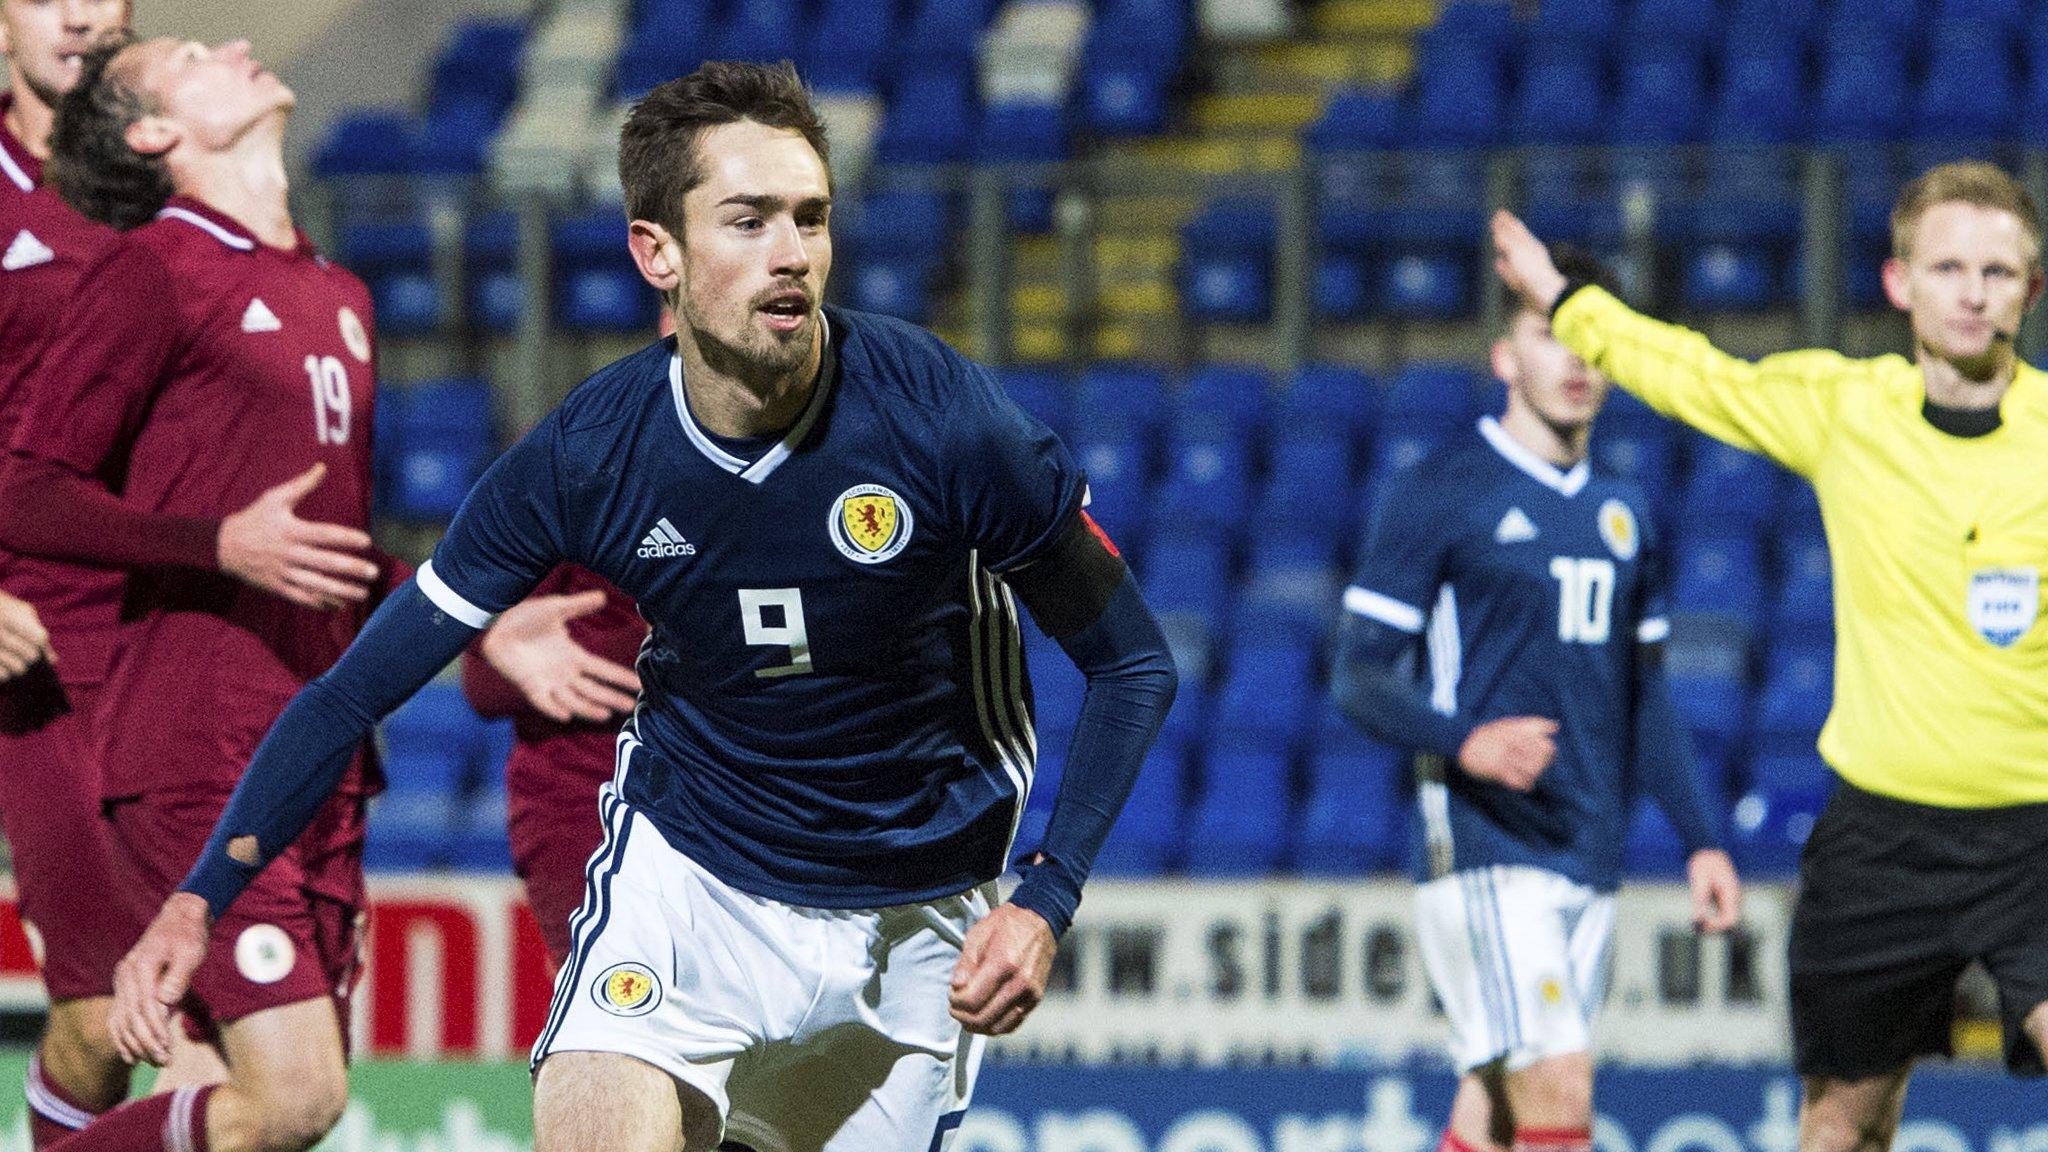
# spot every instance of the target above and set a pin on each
(1933, 482)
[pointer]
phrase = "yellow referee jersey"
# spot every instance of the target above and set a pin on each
(1938, 545)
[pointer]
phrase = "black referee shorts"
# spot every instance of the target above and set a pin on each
(1895, 900)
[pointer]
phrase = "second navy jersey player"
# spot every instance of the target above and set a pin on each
(1530, 587)
(835, 711)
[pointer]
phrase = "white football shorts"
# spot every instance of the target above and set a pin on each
(1519, 958)
(811, 1030)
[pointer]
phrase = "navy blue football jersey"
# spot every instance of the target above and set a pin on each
(834, 708)
(1529, 589)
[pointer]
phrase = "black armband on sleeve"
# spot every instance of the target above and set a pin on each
(1067, 586)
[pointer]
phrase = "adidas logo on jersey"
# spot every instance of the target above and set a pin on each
(1514, 528)
(26, 252)
(665, 543)
(259, 318)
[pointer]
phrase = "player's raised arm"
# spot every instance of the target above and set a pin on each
(1781, 406)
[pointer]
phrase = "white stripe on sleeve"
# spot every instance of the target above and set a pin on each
(449, 601)
(1385, 609)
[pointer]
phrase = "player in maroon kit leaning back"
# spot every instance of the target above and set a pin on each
(57, 620)
(560, 663)
(201, 417)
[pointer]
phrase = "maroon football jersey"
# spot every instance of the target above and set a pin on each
(195, 369)
(44, 248)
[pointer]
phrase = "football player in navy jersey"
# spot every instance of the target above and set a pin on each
(789, 936)
(1533, 584)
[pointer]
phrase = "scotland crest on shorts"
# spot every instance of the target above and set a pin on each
(2004, 603)
(869, 524)
(627, 989)
(1618, 529)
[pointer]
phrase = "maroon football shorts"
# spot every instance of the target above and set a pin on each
(80, 901)
(295, 932)
(554, 829)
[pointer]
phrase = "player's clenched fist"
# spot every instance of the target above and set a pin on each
(1512, 751)
(154, 976)
(1524, 263)
(1004, 964)
(23, 639)
(311, 564)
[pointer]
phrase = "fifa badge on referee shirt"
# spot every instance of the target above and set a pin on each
(2004, 602)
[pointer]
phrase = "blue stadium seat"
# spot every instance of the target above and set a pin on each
(1123, 393)
(1042, 392)
(652, 58)
(1402, 444)
(409, 831)
(675, 17)
(599, 289)
(1771, 826)
(455, 138)
(1559, 100)
(1434, 394)
(1796, 771)
(1188, 720)
(1458, 102)
(899, 287)
(366, 142)
(2006, 16)
(1268, 690)
(850, 40)
(1719, 576)
(1025, 134)
(1669, 21)
(2033, 110)
(1227, 254)
(497, 294)
(1347, 142)
(1645, 453)
(1893, 17)
(760, 30)
(1147, 836)
(1729, 490)
(1306, 466)
(1334, 396)
(1720, 276)
(1353, 819)
(396, 258)
(931, 119)
(1714, 709)
(1804, 602)
(1225, 399)
(1428, 285)
(1186, 578)
(1798, 690)
(1470, 29)
(1661, 94)
(1862, 93)
(1239, 826)
(1970, 87)
(1290, 590)
(1118, 467)
(1787, 22)
(939, 34)
(444, 440)
(1758, 98)
(1587, 23)
(1121, 95)
(1152, 33)
(1207, 484)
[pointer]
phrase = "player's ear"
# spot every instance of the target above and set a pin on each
(1895, 284)
(1503, 358)
(2036, 281)
(657, 254)
(152, 136)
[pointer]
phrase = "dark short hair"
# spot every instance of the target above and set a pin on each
(1579, 267)
(658, 160)
(91, 164)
